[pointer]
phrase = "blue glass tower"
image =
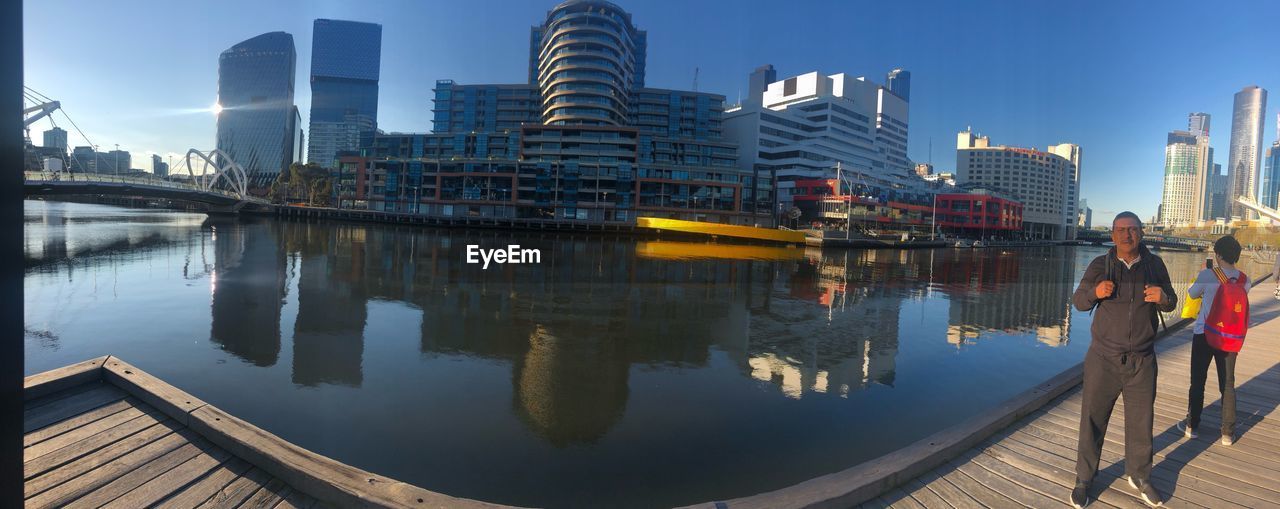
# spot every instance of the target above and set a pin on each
(1271, 177)
(899, 82)
(345, 61)
(255, 90)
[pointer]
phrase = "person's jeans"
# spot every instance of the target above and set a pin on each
(1201, 353)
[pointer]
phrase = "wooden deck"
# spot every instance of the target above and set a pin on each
(1032, 463)
(104, 434)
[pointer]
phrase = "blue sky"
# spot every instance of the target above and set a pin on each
(1112, 78)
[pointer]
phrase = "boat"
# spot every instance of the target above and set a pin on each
(963, 243)
(978, 243)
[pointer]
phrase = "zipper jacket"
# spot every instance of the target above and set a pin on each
(1124, 323)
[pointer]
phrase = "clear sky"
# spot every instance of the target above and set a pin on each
(1113, 77)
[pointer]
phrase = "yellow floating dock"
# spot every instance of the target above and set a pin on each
(721, 230)
(667, 250)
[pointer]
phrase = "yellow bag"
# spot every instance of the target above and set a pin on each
(1191, 308)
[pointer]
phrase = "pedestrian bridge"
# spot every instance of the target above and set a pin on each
(224, 190)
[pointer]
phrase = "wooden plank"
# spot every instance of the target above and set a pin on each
(135, 478)
(296, 500)
(77, 487)
(204, 488)
(86, 446)
(321, 477)
(178, 477)
(168, 399)
(1059, 470)
(95, 459)
(984, 495)
(266, 497)
(63, 394)
(949, 492)
(49, 382)
(924, 495)
(1045, 488)
(54, 430)
(45, 415)
(238, 490)
(85, 431)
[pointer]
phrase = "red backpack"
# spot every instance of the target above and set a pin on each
(1225, 327)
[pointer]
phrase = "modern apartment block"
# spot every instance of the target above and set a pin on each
(1186, 174)
(584, 139)
(1247, 112)
(258, 121)
(346, 60)
(56, 138)
(1047, 183)
(799, 129)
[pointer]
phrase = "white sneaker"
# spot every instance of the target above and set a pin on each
(1187, 431)
(1228, 439)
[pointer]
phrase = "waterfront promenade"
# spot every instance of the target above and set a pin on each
(1032, 462)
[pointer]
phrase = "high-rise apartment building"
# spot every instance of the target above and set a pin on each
(345, 64)
(1047, 183)
(56, 138)
(584, 139)
(1246, 147)
(257, 120)
(1185, 179)
(1271, 173)
(158, 167)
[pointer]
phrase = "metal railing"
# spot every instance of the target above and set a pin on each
(52, 177)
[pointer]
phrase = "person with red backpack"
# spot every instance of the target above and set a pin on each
(1218, 335)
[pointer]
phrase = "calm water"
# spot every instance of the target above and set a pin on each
(615, 373)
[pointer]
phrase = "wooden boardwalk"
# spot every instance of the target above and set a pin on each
(105, 434)
(1032, 462)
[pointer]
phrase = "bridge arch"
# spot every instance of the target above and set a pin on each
(231, 173)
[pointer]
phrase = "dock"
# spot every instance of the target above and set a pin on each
(103, 433)
(1023, 453)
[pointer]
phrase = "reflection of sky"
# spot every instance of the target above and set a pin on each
(602, 375)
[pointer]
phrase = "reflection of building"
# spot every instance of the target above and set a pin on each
(248, 291)
(328, 336)
(1046, 183)
(1020, 291)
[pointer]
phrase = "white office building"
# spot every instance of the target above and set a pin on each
(1047, 183)
(801, 127)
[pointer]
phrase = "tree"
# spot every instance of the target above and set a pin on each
(309, 182)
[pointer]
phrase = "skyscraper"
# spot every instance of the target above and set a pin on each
(345, 60)
(899, 82)
(158, 167)
(589, 67)
(1271, 174)
(255, 91)
(1246, 147)
(56, 138)
(1185, 175)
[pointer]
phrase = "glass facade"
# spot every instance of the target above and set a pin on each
(1246, 146)
(586, 60)
(899, 82)
(345, 61)
(1271, 177)
(1183, 166)
(255, 90)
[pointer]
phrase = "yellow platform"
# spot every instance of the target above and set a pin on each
(721, 230)
(667, 250)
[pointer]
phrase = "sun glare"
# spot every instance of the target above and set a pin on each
(216, 108)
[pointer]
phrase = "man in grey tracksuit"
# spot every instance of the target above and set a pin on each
(1125, 288)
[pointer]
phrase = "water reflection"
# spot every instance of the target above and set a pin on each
(612, 360)
(1013, 291)
(248, 289)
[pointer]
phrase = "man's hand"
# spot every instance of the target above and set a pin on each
(1154, 294)
(1104, 289)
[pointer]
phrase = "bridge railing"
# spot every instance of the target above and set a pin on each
(42, 176)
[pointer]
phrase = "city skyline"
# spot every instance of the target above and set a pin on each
(1065, 94)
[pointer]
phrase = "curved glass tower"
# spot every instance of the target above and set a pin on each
(255, 90)
(1246, 147)
(585, 61)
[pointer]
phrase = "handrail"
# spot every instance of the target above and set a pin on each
(52, 177)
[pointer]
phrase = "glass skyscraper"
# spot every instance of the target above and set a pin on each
(899, 82)
(1246, 147)
(345, 61)
(255, 91)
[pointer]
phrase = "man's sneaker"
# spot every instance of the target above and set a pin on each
(1080, 495)
(1227, 439)
(1187, 431)
(1147, 492)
